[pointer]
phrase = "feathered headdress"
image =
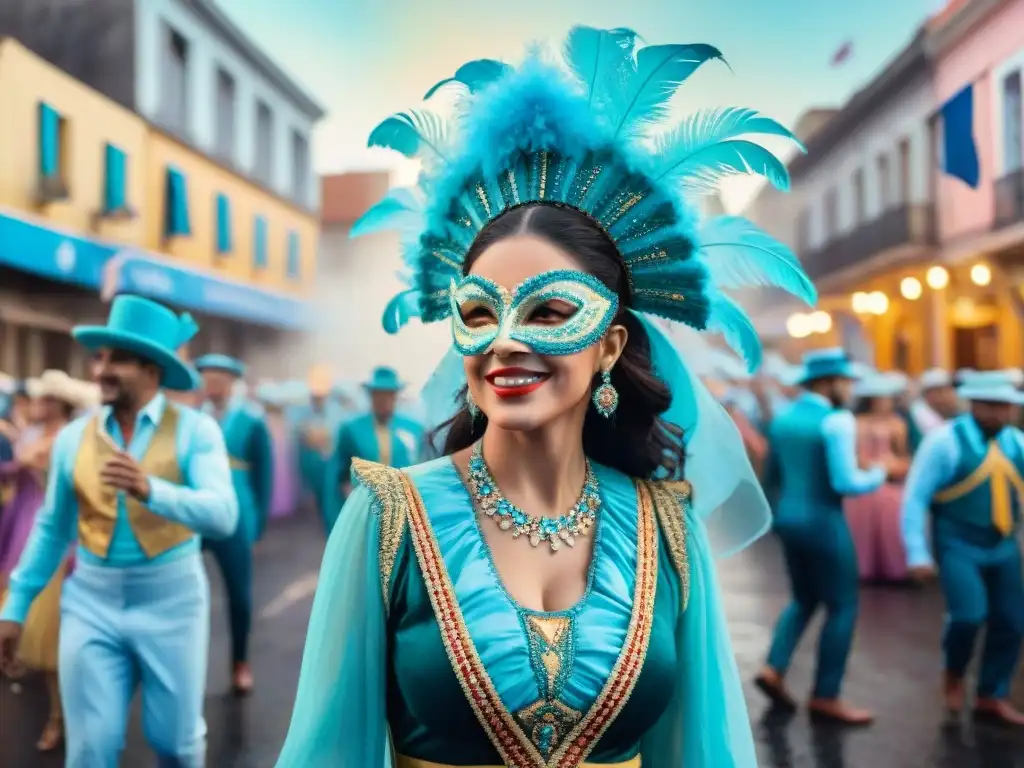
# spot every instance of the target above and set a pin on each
(589, 137)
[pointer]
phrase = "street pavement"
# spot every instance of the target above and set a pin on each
(894, 671)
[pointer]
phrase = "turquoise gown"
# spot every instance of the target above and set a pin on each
(642, 665)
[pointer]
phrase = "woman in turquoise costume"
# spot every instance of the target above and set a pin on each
(544, 594)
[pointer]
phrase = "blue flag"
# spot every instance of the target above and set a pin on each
(960, 155)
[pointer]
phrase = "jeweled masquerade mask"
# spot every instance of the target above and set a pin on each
(483, 312)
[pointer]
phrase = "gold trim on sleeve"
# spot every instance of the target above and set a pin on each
(387, 486)
(671, 500)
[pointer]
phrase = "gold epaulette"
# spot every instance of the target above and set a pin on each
(389, 487)
(671, 499)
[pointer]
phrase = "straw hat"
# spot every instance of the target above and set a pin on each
(58, 385)
(319, 381)
(89, 395)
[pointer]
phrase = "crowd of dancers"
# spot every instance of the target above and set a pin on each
(878, 478)
(288, 446)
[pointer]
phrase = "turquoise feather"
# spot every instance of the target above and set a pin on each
(642, 96)
(740, 255)
(400, 209)
(402, 307)
(475, 75)
(706, 147)
(728, 318)
(417, 134)
(597, 55)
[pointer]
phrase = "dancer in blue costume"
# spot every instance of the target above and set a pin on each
(136, 483)
(969, 474)
(535, 597)
(316, 421)
(379, 435)
(812, 456)
(252, 472)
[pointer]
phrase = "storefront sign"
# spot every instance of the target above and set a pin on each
(66, 258)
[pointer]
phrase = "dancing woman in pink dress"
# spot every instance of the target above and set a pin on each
(874, 518)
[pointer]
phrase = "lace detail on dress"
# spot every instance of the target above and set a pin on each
(672, 500)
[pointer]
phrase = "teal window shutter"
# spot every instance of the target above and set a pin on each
(260, 243)
(177, 204)
(294, 256)
(115, 195)
(223, 224)
(49, 141)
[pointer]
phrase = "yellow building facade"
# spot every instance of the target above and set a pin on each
(93, 198)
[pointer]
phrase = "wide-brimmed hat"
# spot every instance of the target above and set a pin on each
(225, 363)
(935, 378)
(319, 381)
(384, 379)
(58, 386)
(827, 363)
(990, 387)
(148, 329)
(879, 385)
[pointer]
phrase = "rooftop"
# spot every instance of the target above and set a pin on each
(208, 11)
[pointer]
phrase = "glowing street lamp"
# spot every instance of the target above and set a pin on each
(981, 274)
(820, 322)
(799, 326)
(911, 288)
(937, 278)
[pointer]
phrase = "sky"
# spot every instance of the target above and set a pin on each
(366, 59)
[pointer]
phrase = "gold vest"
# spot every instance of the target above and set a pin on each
(97, 503)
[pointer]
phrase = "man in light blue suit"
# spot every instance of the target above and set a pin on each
(813, 458)
(136, 484)
(969, 474)
(379, 435)
(250, 451)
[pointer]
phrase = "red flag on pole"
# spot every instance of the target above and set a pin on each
(842, 53)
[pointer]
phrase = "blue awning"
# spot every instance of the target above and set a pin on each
(110, 269)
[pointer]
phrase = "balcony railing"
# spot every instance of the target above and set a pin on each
(1009, 199)
(903, 226)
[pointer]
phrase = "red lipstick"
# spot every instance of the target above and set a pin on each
(524, 381)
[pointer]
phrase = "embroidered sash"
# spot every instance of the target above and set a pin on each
(97, 503)
(509, 739)
(1002, 476)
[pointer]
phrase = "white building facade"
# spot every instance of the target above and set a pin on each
(199, 76)
(861, 211)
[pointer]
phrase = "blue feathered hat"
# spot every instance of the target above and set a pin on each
(589, 136)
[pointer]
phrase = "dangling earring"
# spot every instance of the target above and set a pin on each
(471, 406)
(606, 396)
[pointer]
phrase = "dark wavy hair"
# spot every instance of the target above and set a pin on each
(635, 441)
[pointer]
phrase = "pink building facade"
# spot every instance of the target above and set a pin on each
(981, 231)
(981, 42)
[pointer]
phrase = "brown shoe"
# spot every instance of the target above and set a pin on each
(999, 711)
(835, 711)
(772, 685)
(953, 694)
(52, 736)
(242, 683)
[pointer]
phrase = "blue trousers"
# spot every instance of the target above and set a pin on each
(234, 558)
(822, 565)
(982, 585)
(122, 629)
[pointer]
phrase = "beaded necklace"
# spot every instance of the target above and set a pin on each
(554, 530)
